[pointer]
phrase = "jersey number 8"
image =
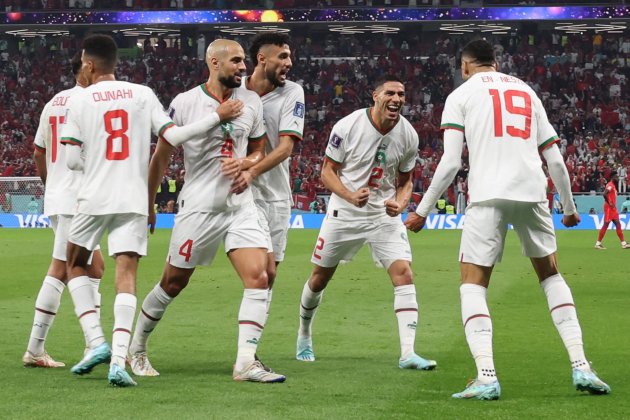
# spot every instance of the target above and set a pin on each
(117, 135)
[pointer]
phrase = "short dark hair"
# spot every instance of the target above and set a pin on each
(102, 47)
(387, 78)
(75, 63)
(266, 38)
(481, 51)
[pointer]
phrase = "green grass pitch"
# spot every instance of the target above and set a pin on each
(355, 338)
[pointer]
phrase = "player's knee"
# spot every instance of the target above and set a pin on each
(271, 275)
(174, 284)
(96, 270)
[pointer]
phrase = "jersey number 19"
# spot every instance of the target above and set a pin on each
(525, 110)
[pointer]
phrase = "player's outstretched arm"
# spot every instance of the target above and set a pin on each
(442, 178)
(403, 194)
(158, 164)
(560, 177)
(331, 180)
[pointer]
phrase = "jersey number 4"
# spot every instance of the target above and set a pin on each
(117, 136)
(525, 110)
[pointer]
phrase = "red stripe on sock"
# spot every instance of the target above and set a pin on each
(406, 310)
(561, 306)
(149, 316)
(475, 316)
(251, 323)
(122, 330)
(86, 313)
(45, 312)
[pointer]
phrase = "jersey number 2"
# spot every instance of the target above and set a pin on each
(117, 135)
(511, 108)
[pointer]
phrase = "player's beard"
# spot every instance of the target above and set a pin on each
(273, 78)
(230, 82)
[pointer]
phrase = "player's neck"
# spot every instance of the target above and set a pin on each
(259, 83)
(218, 90)
(382, 124)
(104, 78)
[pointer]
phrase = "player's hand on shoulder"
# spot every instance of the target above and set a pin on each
(570, 220)
(230, 109)
(360, 197)
(415, 222)
(231, 167)
(393, 208)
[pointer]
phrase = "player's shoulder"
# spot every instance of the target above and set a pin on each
(406, 126)
(355, 116)
(247, 95)
(291, 87)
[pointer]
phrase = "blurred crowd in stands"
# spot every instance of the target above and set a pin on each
(27, 5)
(581, 79)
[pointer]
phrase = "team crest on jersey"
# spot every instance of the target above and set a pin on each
(298, 110)
(335, 141)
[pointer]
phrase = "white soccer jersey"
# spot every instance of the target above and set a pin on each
(61, 182)
(506, 127)
(113, 121)
(206, 189)
(284, 112)
(370, 158)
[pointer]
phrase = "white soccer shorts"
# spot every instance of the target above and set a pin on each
(61, 226)
(341, 238)
(274, 219)
(197, 236)
(127, 232)
(486, 225)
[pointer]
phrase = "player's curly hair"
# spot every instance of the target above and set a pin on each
(266, 38)
(75, 63)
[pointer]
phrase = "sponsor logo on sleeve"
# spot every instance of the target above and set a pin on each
(298, 110)
(335, 141)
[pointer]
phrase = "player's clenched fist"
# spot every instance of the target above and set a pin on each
(393, 208)
(360, 198)
(231, 167)
(230, 109)
(570, 220)
(414, 222)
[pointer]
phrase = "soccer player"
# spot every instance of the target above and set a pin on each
(59, 203)
(111, 123)
(610, 213)
(215, 206)
(506, 128)
(283, 109)
(369, 162)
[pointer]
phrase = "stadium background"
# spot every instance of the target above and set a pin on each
(574, 53)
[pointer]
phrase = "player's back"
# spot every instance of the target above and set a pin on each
(61, 182)
(115, 122)
(505, 126)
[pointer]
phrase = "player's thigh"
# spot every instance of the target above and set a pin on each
(388, 241)
(264, 219)
(128, 233)
(279, 227)
(196, 238)
(534, 226)
(86, 230)
(483, 236)
(338, 240)
(245, 230)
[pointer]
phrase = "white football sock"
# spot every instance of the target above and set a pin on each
(406, 308)
(478, 329)
(82, 294)
(564, 316)
(97, 296)
(151, 313)
(308, 307)
(124, 311)
(46, 307)
(251, 322)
